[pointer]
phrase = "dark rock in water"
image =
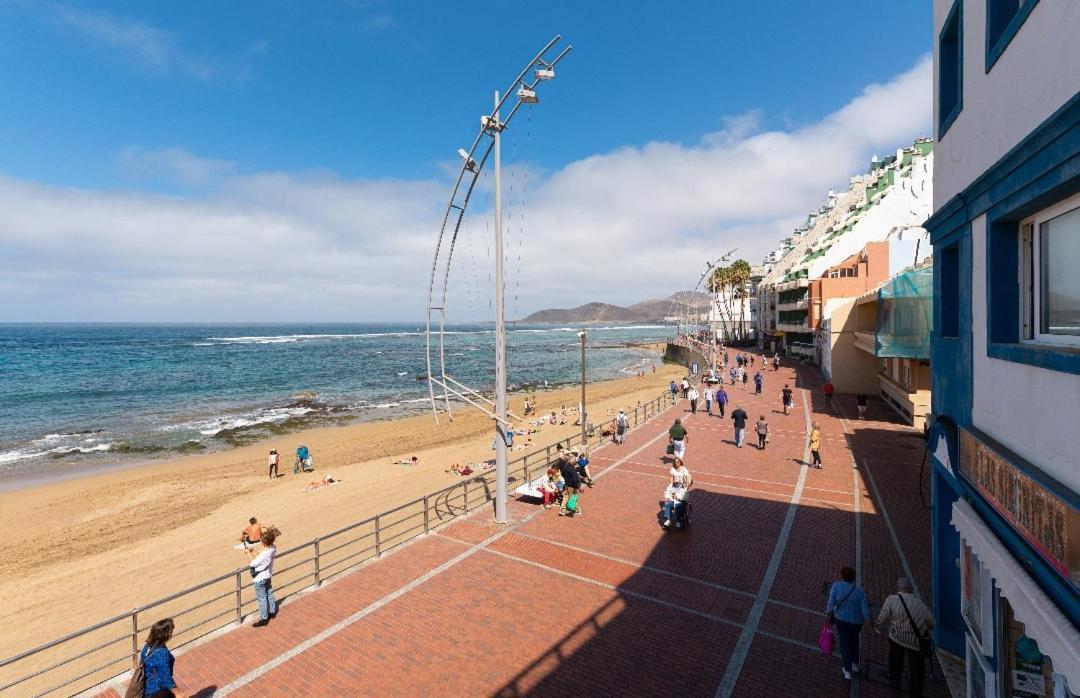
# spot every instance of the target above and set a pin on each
(125, 447)
(190, 447)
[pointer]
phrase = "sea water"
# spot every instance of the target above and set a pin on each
(76, 396)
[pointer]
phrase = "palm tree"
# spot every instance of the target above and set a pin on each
(739, 278)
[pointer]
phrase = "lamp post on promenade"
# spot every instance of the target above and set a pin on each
(583, 335)
(441, 386)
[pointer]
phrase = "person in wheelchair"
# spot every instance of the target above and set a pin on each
(677, 494)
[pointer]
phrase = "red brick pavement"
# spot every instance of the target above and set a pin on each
(607, 603)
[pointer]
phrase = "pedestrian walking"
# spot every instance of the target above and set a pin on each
(759, 381)
(721, 399)
(676, 494)
(787, 397)
(860, 402)
(828, 393)
(693, 395)
(739, 417)
(262, 571)
(154, 677)
(678, 437)
(674, 390)
(734, 372)
(743, 375)
(621, 425)
(685, 388)
(762, 428)
(815, 446)
(909, 622)
(776, 362)
(709, 396)
(848, 609)
(274, 459)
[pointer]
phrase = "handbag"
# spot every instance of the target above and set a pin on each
(926, 647)
(137, 687)
(826, 640)
(671, 449)
(571, 504)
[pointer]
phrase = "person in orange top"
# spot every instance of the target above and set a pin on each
(815, 446)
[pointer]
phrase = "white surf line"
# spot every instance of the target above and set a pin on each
(648, 598)
(669, 573)
(380, 603)
(742, 647)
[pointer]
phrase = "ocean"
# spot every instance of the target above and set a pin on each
(75, 397)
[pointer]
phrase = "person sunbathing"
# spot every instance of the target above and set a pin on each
(316, 484)
(412, 461)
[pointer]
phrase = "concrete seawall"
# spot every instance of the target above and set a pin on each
(679, 354)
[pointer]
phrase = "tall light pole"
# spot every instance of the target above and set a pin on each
(583, 335)
(442, 386)
(501, 425)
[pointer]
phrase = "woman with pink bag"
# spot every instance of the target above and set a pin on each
(847, 611)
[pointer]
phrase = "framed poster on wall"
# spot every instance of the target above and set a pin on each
(977, 601)
(980, 676)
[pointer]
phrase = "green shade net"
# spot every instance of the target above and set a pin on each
(905, 315)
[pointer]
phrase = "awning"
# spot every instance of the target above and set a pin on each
(1043, 621)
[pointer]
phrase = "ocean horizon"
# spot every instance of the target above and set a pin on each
(81, 396)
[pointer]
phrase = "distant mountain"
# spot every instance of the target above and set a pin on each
(655, 310)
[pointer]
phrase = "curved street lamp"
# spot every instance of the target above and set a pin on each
(487, 141)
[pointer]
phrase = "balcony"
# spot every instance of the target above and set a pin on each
(866, 341)
(793, 327)
(799, 304)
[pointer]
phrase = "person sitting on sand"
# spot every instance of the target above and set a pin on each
(412, 461)
(553, 419)
(251, 534)
(316, 484)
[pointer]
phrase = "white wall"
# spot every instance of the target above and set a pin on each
(1003, 106)
(1033, 411)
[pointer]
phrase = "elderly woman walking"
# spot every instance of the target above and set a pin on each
(909, 622)
(848, 610)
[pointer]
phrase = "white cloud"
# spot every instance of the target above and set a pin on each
(151, 49)
(620, 227)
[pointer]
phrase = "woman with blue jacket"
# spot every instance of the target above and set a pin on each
(157, 661)
(848, 610)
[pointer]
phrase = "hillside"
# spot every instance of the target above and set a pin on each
(654, 310)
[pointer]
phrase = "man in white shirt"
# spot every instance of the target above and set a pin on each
(708, 399)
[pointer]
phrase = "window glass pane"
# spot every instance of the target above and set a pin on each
(1059, 285)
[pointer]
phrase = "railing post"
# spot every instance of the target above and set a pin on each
(378, 536)
(135, 637)
(239, 602)
(547, 454)
(465, 486)
(427, 522)
(318, 568)
(525, 464)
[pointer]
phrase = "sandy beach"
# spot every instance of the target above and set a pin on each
(78, 551)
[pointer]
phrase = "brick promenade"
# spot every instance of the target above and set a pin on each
(607, 603)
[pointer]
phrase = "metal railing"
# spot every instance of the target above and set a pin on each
(79, 661)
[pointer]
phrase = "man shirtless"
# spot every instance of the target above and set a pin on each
(252, 533)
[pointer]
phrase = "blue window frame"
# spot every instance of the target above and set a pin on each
(1003, 19)
(950, 68)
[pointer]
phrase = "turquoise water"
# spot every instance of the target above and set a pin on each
(78, 395)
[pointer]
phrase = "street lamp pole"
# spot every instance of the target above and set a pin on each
(584, 335)
(501, 425)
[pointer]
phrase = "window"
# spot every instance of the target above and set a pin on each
(1050, 246)
(949, 280)
(950, 69)
(1003, 20)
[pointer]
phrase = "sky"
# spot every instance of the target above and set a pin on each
(292, 161)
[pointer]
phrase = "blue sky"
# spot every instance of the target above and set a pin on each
(219, 110)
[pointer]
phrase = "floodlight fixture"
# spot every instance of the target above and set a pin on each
(527, 95)
(470, 164)
(545, 73)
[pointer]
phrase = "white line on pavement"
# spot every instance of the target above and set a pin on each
(746, 638)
